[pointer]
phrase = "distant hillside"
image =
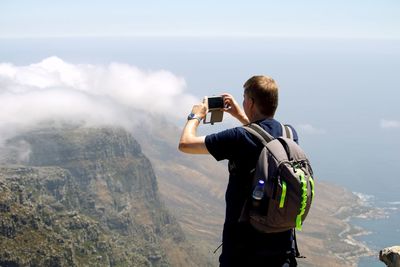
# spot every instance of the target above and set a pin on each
(85, 197)
(193, 187)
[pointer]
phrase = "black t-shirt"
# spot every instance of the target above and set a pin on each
(242, 150)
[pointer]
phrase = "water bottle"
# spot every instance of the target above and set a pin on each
(258, 192)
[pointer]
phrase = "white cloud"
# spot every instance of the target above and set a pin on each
(389, 124)
(307, 128)
(54, 90)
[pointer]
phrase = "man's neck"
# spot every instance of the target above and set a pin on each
(259, 117)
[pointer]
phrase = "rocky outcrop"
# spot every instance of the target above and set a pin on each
(390, 256)
(85, 197)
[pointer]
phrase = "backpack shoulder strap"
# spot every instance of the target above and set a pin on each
(296, 247)
(259, 132)
(284, 130)
(287, 131)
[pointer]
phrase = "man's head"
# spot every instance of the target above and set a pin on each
(263, 91)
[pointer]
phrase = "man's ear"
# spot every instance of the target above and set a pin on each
(252, 104)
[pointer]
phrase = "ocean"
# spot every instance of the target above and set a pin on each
(383, 230)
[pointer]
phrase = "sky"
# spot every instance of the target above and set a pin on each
(336, 63)
(307, 18)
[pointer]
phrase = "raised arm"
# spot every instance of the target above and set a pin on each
(233, 108)
(193, 144)
(190, 142)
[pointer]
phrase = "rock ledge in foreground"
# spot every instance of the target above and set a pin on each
(390, 256)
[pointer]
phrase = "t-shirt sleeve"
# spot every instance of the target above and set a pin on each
(223, 145)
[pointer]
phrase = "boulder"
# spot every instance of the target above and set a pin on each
(390, 256)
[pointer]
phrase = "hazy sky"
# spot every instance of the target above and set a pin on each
(306, 18)
(339, 93)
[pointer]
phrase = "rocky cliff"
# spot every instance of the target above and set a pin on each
(85, 197)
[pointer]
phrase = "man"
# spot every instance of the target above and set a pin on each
(242, 244)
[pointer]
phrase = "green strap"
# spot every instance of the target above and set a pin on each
(303, 204)
(283, 196)
(312, 188)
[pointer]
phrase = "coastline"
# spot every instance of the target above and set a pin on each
(362, 209)
(381, 221)
(330, 236)
(348, 236)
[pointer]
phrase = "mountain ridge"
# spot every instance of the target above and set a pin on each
(115, 192)
(192, 188)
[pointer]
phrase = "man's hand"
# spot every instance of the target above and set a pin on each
(190, 142)
(233, 108)
(201, 109)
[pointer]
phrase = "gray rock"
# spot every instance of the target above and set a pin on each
(390, 256)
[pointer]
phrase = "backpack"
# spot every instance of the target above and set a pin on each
(282, 184)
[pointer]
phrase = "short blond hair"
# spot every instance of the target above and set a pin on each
(264, 92)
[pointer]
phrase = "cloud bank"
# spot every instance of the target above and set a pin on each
(55, 90)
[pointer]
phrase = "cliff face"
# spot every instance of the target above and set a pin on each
(84, 196)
